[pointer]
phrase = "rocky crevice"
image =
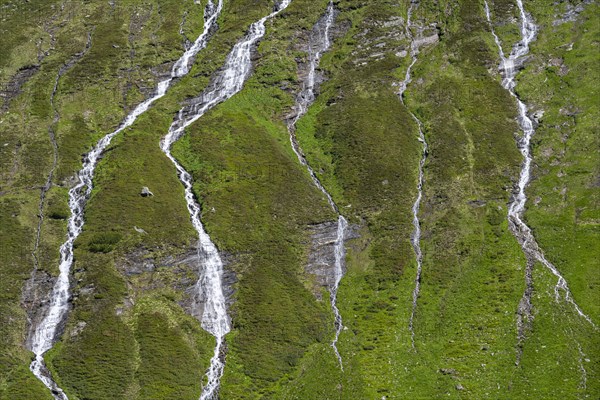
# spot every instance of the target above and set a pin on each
(13, 88)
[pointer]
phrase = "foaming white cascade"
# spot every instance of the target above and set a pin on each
(229, 81)
(211, 14)
(415, 237)
(45, 334)
(340, 262)
(522, 232)
(305, 98)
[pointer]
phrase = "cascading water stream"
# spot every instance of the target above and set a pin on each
(340, 262)
(415, 238)
(44, 335)
(508, 70)
(229, 81)
(305, 98)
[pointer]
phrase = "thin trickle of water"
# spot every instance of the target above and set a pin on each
(303, 101)
(307, 96)
(209, 288)
(508, 70)
(38, 366)
(44, 335)
(582, 370)
(415, 238)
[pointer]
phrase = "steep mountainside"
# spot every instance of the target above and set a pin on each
(299, 199)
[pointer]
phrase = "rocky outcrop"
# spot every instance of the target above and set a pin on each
(321, 257)
(426, 40)
(13, 88)
(145, 273)
(35, 299)
(571, 13)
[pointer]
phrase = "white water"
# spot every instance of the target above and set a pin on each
(415, 238)
(340, 261)
(508, 70)
(209, 287)
(45, 333)
(305, 98)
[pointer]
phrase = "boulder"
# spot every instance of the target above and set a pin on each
(146, 192)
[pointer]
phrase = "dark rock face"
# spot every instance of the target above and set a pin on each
(136, 263)
(13, 87)
(186, 267)
(35, 300)
(321, 258)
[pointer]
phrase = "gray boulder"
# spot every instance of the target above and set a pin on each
(146, 192)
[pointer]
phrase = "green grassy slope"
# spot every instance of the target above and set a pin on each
(129, 336)
(473, 269)
(364, 143)
(472, 272)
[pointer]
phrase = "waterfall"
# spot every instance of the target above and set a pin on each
(45, 334)
(508, 70)
(229, 81)
(415, 237)
(340, 262)
(303, 101)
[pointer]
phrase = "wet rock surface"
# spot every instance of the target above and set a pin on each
(144, 272)
(321, 257)
(35, 300)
